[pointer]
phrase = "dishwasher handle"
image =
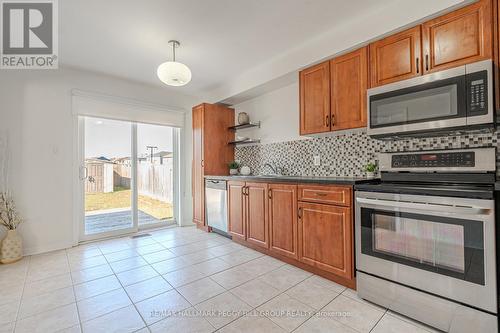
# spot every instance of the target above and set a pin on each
(215, 184)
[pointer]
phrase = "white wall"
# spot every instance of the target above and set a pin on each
(390, 15)
(36, 116)
(278, 112)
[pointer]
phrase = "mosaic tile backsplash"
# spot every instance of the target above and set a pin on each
(346, 154)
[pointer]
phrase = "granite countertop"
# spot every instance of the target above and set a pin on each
(297, 179)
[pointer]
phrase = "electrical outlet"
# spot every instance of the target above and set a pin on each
(316, 160)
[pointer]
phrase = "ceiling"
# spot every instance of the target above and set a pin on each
(220, 39)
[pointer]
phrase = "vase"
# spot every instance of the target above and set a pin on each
(11, 248)
(233, 172)
(243, 118)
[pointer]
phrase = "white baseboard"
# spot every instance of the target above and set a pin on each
(29, 251)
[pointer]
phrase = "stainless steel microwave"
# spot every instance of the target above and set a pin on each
(456, 98)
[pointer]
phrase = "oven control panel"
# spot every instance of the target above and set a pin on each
(433, 160)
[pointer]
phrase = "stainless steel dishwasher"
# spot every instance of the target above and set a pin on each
(216, 204)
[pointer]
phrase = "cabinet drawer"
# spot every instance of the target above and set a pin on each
(337, 195)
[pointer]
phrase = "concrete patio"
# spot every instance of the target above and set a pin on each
(109, 221)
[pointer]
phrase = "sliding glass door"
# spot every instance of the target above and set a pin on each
(127, 174)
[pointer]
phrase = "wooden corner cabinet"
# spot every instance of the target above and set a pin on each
(211, 152)
(310, 226)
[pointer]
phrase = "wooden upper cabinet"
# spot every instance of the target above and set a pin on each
(395, 58)
(349, 82)
(325, 238)
(198, 184)
(257, 214)
(236, 209)
(460, 37)
(315, 99)
(283, 220)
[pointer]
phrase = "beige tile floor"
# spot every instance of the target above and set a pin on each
(179, 280)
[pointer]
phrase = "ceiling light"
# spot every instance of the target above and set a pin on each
(174, 73)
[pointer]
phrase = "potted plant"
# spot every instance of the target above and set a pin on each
(233, 167)
(11, 247)
(370, 169)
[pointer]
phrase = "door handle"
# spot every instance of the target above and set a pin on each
(84, 170)
(426, 206)
(418, 65)
(426, 62)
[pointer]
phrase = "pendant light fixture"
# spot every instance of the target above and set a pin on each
(174, 73)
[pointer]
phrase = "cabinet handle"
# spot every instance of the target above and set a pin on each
(418, 65)
(332, 120)
(246, 190)
(320, 194)
(202, 163)
(243, 190)
(300, 213)
(327, 121)
(270, 194)
(426, 62)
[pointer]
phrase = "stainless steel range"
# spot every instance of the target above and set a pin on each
(425, 238)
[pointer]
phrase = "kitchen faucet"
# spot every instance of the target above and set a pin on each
(275, 169)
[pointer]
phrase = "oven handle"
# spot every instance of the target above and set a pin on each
(426, 206)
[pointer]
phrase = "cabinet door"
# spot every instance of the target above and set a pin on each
(325, 238)
(496, 44)
(315, 99)
(460, 37)
(257, 214)
(236, 209)
(283, 220)
(396, 58)
(349, 82)
(198, 184)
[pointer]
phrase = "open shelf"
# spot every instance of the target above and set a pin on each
(245, 141)
(249, 125)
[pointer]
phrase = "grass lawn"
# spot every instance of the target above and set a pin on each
(121, 197)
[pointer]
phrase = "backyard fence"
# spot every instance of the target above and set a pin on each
(153, 180)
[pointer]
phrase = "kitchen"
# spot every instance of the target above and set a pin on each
(249, 166)
(420, 105)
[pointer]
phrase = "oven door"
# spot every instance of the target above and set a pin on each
(431, 102)
(443, 246)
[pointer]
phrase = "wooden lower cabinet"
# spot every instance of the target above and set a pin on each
(283, 220)
(325, 238)
(236, 211)
(256, 214)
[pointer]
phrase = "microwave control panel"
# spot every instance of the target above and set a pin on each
(477, 93)
(433, 160)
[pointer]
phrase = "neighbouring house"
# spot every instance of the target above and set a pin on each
(99, 175)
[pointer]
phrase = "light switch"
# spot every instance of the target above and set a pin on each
(317, 160)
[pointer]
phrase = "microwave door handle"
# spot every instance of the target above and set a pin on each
(426, 206)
